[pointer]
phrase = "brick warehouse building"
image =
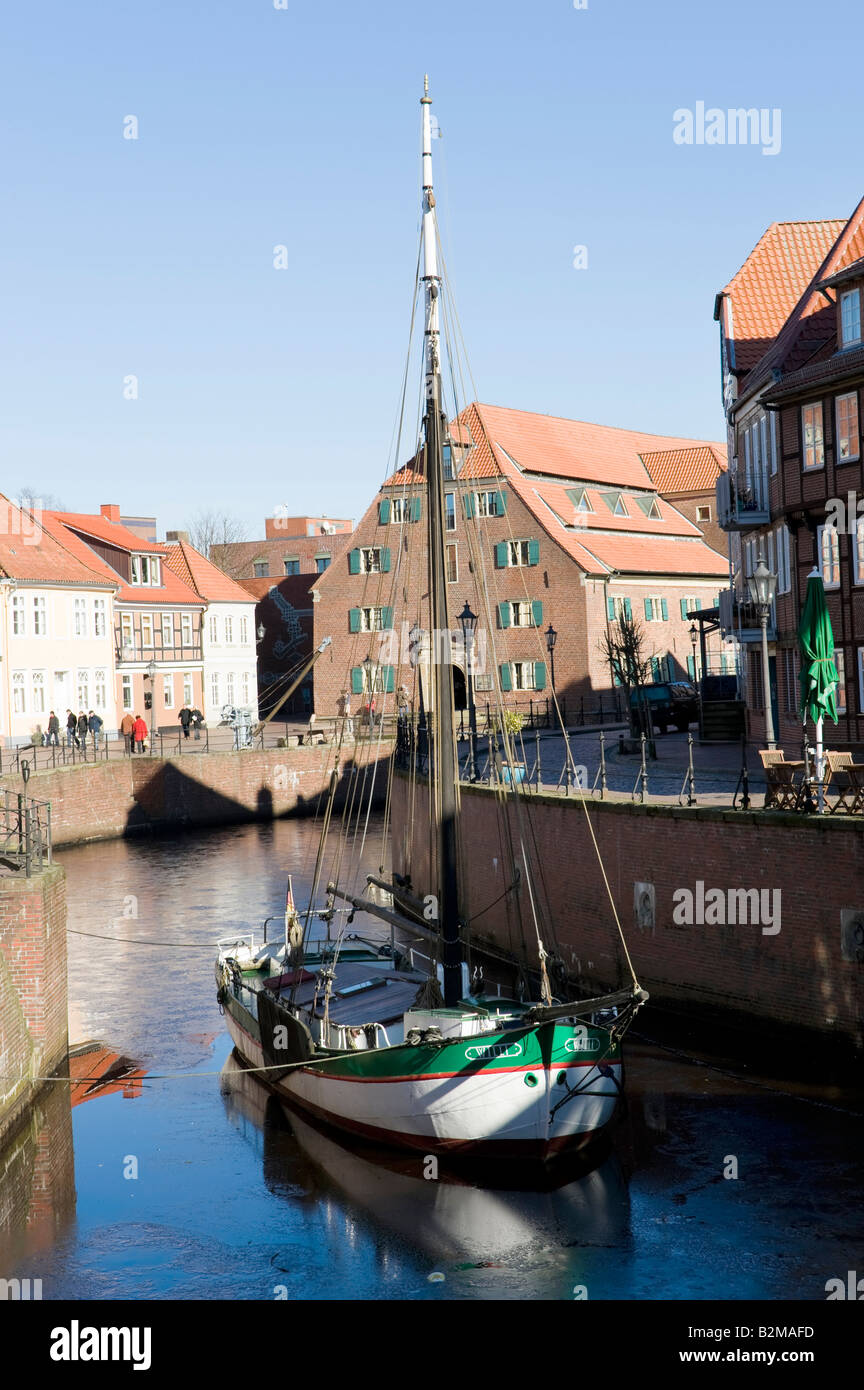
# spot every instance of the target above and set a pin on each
(566, 527)
(793, 369)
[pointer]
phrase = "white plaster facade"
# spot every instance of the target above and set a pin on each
(230, 658)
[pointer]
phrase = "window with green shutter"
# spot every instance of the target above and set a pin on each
(664, 609)
(506, 677)
(353, 561)
(537, 611)
(501, 502)
(416, 509)
(533, 552)
(384, 512)
(387, 676)
(353, 619)
(385, 559)
(649, 610)
(504, 615)
(628, 611)
(386, 618)
(539, 675)
(501, 555)
(684, 608)
(468, 502)
(610, 609)
(357, 680)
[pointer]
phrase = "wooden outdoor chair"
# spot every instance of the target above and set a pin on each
(771, 756)
(783, 787)
(848, 780)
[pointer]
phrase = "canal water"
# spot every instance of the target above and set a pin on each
(192, 1183)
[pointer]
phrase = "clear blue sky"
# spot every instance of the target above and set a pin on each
(261, 126)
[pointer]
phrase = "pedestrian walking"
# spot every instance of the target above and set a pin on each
(197, 722)
(71, 726)
(94, 724)
(139, 733)
(127, 724)
(53, 729)
(343, 709)
(185, 717)
(83, 729)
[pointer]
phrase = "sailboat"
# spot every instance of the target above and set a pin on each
(356, 1032)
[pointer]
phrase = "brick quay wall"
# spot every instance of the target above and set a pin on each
(808, 975)
(127, 796)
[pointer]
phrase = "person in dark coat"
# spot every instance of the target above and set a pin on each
(71, 726)
(185, 717)
(83, 729)
(127, 724)
(197, 722)
(53, 729)
(94, 724)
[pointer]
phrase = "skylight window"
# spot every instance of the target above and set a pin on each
(615, 502)
(579, 497)
(649, 506)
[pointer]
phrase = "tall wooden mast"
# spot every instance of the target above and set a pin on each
(444, 761)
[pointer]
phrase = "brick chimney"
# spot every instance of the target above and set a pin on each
(110, 511)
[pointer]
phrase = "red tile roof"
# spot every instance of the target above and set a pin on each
(810, 331)
(173, 590)
(110, 531)
(686, 470)
(48, 560)
(202, 575)
(763, 293)
(653, 555)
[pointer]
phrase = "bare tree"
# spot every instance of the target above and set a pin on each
(32, 499)
(214, 533)
(623, 650)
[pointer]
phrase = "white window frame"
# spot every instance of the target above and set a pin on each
(82, 689)
(19, 615)
(517, 676)
(215, 689)
(847, 458)
(774, 452)
(167, 621)
(656, 601)
(370, 559)
(851, 297)
(245, 687)
(516, 548)
(229, 688)
(100, 688)
(452, 548)
(450, 511)
(398, 510)
(186, 630)
(127, 632)
(147, 626)
(100, 617)
(704, 508)
(168, 690)
(126, 692)
(840, 693)
(19, 692)
(520, 609)
(486, 503)
(372, 619)
(229, 631)
(38, 692)
(835, 555)
(188, 689)
(815, 446)
(244, 631)
(213, 629)
(40, 616)
(80, 612)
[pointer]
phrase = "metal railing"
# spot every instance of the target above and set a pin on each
(25, 833)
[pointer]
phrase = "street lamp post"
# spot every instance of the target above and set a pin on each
(762, 585)
(468, 623)
(151, 671)
(694, 638)
(551, 639)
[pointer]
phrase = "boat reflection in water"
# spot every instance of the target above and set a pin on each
(478, 1215)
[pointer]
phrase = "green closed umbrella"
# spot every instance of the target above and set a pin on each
(818, 676)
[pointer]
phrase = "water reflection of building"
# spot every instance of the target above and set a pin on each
(37, 1162)
(451, 1218)
(37, 1180)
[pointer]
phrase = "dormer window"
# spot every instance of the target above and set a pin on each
(145, 570)
(579, 497)
(649, 506)
(615, 502)
(850, 318)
